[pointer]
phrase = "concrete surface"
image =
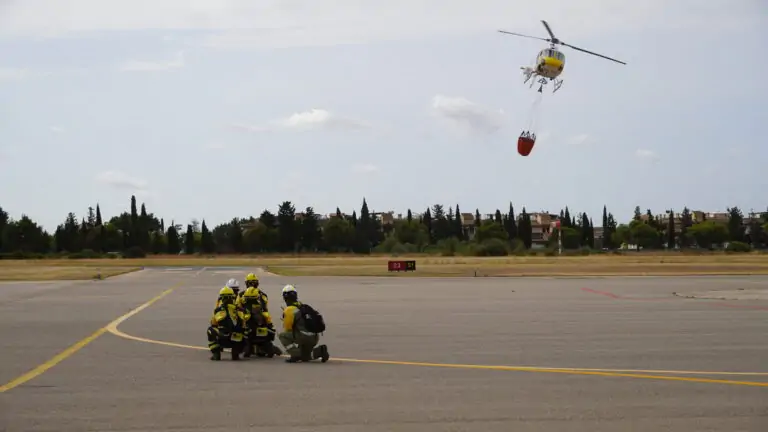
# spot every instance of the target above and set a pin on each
(737, 294)
(117, 384)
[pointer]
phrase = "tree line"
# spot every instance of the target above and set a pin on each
(137, 232)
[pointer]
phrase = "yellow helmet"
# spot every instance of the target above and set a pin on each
(251, 280)
(226, 292)
(251, 292)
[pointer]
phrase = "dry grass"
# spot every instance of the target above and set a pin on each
(48, 273)
(346, 265)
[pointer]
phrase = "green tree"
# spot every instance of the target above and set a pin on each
(511, 225)
(189, 240)
(207, 245)
(158, 242)
(288, 232)
(172, 239)
(671, 229)
(622, 235)
(411, 232)
(310, 230)
(133, 234)
(644, 235)
(337, 235)
(567, 218)
(637, 216)
(490, 230)
(707, 234)
(736, 225)
(686, 221)
(235, 234)
(427, 221)
(571, 237)
(458, 230)
(25, 236)
(4, 219)
(584, 225)
(525, 229)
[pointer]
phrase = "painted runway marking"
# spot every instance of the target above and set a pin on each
(41, 369)
(711, 303)
(625, 373)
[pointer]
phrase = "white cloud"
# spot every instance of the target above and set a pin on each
(578, 139)
(56, 129)
(120, 180)
(365, 168)
(218, 145)
(309, 120)
(18, 74)
(153, 66)
(646, 154)
(298, 22)
(477, 117)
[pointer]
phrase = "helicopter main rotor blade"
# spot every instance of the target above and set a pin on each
(593, 53)
(549, 30)
(518, 34)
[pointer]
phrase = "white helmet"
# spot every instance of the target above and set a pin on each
(234, 284)
(289, 289)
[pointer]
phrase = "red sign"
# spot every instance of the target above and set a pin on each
(399, 266)
(557, 224)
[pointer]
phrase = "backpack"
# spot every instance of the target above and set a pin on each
(313, 320)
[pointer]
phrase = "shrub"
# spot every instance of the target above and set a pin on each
(492, 247)
(84, 254)
(134, 252)
(737, 246)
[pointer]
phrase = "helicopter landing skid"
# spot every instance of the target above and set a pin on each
(556, 84)
(529, 73)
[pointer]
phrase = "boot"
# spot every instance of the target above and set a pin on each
(306, 354)
(276, 351)
(321, 353)
(235, 353)
(293, 360)
(216, 355)
(248, 349)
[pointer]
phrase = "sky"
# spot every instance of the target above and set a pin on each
(216, 109)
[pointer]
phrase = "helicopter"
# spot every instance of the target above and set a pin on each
(550, 62)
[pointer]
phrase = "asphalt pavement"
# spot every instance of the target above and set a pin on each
(407, 354)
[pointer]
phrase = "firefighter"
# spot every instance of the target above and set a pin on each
(259, 330)
(297, 336)
(226, 329)
(251, 280)
(234, 285)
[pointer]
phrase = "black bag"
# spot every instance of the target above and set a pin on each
(313, 320)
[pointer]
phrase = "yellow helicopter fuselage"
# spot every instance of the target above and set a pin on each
(549, 63)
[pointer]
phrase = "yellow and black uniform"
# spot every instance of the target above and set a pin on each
(298, 342)
(259, 330)
(226, 329)
(252, 281)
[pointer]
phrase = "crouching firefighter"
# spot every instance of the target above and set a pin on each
(259, 329)
(226, 330)
(301, 327)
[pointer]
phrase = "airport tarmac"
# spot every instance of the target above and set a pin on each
(407, 354)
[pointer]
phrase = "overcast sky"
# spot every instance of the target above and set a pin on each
(214, 109)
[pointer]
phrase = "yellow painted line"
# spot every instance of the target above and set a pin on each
(39, 370)
(564, 371)
(626, 373)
